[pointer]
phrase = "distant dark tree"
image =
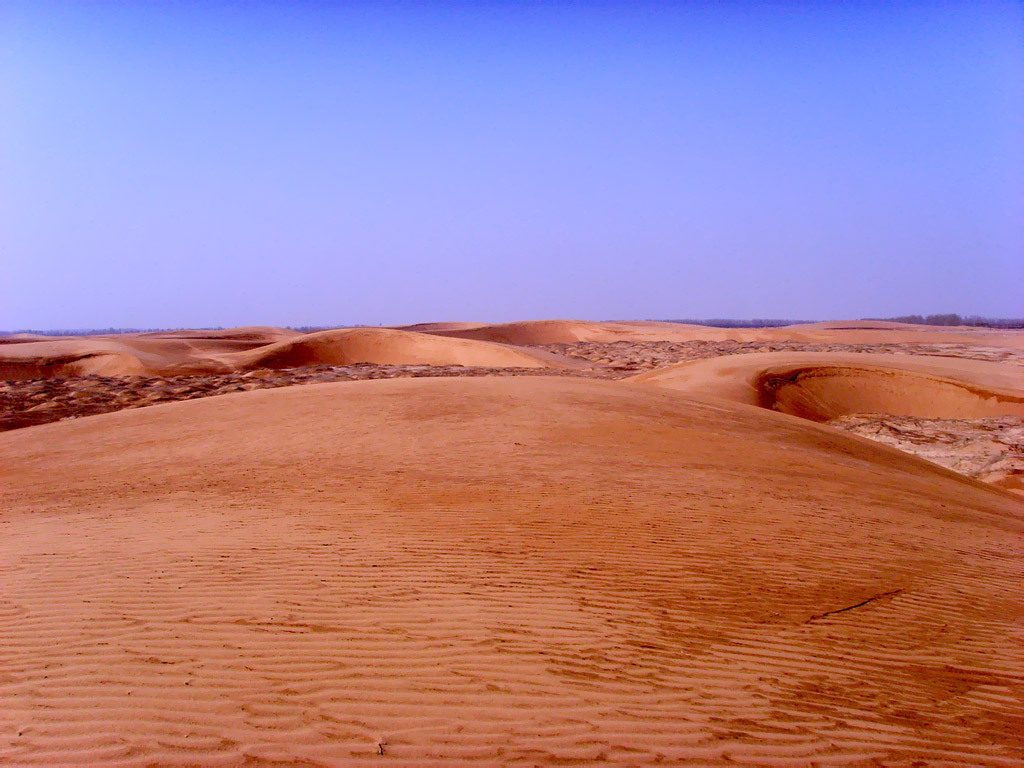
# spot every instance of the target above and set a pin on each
(915, 319)
(976, 321)
(948, 319)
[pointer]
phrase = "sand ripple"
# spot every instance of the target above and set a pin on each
(497, 571)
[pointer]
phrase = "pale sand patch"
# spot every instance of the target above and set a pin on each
(990, 450)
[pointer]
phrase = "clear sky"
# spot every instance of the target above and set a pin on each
(216, 164)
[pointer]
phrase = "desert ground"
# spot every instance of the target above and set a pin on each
(536, 543)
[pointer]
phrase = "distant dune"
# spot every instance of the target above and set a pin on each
(116, 356)
(167, 353)
(823, 385)
(431, 327)
(387, 347)
(544, 571)
(528, 332)
(163, 353)
(566, 331)
(870, 325)
(852, 332)
(22, 338)
(264, 334)
(158, 353)
(68, 357)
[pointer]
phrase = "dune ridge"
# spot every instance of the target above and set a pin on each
(496, 571)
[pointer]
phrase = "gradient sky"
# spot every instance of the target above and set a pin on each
(219, 164)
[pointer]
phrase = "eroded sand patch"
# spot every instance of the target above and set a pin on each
(990, 450)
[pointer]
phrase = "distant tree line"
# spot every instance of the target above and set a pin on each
(954, 319)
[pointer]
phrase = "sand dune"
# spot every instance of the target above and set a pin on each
(431, 327)
(569, 331)
(115, 356)
(864, 333)
(159, 353)
(531, 332)
(851, 332)
(871, 325)
(68, 357)
(22, 338)
(264, 334)
(387, 347)
(824, 386)
(202, 352)
(886, 332)
(497, 571)
(167, 353)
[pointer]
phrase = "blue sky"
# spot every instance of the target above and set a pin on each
(198, 164)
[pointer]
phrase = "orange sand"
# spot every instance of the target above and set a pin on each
(533, 571)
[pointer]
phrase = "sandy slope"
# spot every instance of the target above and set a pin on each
(513, 571)
(387, 347)
(824, 385)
